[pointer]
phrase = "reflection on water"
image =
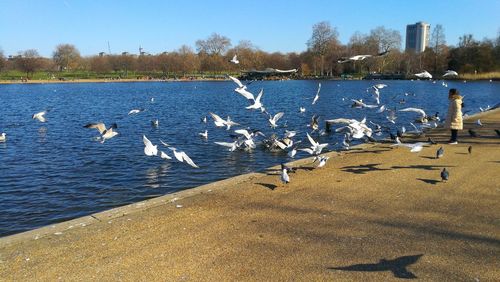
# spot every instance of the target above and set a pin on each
(56, 171)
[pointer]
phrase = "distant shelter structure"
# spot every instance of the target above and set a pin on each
(267, 73)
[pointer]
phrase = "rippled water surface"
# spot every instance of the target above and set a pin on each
(55, 171)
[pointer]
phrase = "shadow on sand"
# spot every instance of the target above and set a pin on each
(268, 185)
(362, 169)
(429, 181)
(397, 266)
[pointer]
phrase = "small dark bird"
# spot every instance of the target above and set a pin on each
(498, 132)
(393, 137)
(472, 133)
(430, 140)
(399, 134)
(470, 150)
(439, 153)
(445, 175)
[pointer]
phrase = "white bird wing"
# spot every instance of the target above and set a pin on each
(307, 150)
(311, 140)
(234, 58)
(259, 96)
(188, 160)
(237, 81)
(164, 143)
(231, 146)
(164, 156)
(278, 116)
(417, 110)
(245, 93)
(341, 120)
(381, 109)
(177, 155)
(99, 126)
(284, 176)
(243, 132)
(149, 148)
(40, 116)
(217, 119)
(317, 94)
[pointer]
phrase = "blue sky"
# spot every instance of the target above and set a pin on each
(272, 25)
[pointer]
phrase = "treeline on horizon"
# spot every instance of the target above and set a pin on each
(212, 55)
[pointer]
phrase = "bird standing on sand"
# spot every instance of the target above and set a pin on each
(472, 133)
(478, 122)
(469, 150)
(445, 175)
(284, 174)
(498, 132)
(3, 137)
(439, 153)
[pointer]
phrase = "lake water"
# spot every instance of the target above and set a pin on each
(55, 171)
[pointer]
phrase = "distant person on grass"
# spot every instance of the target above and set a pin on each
(454, 117)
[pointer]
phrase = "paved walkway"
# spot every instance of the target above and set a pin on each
(376, 214)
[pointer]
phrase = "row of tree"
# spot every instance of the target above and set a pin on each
(320, 59)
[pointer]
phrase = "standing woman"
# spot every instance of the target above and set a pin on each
(454, 117)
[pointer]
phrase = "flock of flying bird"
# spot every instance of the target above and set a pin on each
(247, 139)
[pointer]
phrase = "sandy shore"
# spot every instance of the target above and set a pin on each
(380, 213)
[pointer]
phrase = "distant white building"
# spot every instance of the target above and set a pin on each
(417, 37)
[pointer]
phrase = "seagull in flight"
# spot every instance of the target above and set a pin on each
(219, 122)
(322, 161)
(360, 104)
(423, 116)
(40, 116)
(234, 60)
(423, 74)
(315, 148)
(105, 133)
(257, 103)
(242, 89)
(450, 73)
(317, 94)
(182, 157)
(149, 148)
(274, 119)
(414, 148)
(135, 111)
(353, 58)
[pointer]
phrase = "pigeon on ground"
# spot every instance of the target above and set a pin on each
(444, 175)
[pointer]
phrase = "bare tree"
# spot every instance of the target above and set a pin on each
(66, 56)
(215, 44)
(322, 38)
(29, 61)
(467, 40)
(438, 44)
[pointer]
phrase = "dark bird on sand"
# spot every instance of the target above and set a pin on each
(470, 150)
(397, 266)
(439, 153)
(430, 140)
(444, 175)
(498, 132)
(472, 133)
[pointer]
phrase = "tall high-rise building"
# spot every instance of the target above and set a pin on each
(417, 37)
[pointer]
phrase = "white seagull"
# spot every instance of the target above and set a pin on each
(302, 110)
(274, 119)
(414, 148)
(40, 116)
(450, 73)
(135, 111)
(315, 148)
(242, 89)
(322, 161)
(234, 60)
(232, 146)
(257, 104)
(423, 117)
(284, 175)
(423, 74)
(204, 135)
(317, 94)
(3, 137)
(105, 133)
(149, 148)
(360, 104)
(181, 156)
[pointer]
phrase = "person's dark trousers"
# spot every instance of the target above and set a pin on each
(454, 134)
